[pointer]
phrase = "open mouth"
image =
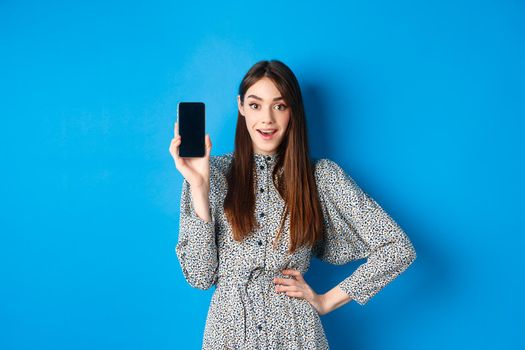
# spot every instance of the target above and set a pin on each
(267, 132)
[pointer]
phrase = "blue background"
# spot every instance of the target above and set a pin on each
(422, 103)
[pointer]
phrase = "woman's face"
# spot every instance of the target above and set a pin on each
(264, 109)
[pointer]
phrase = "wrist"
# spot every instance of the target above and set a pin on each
(201, 204)
(320, 301)
(200, 190)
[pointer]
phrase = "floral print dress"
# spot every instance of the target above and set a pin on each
(245, 311)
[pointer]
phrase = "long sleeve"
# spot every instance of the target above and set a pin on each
(196, 248)
(357, 227)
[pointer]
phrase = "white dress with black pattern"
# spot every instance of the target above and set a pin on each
(245, 311)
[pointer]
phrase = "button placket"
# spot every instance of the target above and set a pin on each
(264, 183)
(264, 169)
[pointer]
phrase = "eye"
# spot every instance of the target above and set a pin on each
(281, 105)
(251, 104)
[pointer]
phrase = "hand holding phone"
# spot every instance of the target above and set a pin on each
(196, 170)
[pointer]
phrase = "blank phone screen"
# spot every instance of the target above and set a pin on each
(191, 129)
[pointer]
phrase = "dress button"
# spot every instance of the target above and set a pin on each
(262, 167)
(259, 327)
(268, 158)
(261, 215)
(259, 242)
(262, 190)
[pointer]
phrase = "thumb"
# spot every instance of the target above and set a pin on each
(208, 145)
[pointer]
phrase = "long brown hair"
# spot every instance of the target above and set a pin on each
(292, 174)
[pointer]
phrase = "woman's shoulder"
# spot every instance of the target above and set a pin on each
(219, 165)
(221, 162)
(326, 166)
(329, 174)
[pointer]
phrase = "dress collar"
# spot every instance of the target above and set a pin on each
(265, 157)
(265, 161)
(262, 159)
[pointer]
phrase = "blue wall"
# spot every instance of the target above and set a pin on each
(421, 102)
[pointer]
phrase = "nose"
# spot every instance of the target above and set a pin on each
(268, 117)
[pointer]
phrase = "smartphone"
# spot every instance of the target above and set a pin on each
(191, 120)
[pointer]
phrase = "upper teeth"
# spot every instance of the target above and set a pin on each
(267, 131)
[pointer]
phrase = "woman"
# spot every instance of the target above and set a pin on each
(251, 220)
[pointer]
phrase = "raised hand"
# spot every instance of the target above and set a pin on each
(195, 170)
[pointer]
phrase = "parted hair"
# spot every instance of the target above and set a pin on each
(292, 175)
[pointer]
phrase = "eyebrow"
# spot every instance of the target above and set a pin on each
(258, 98)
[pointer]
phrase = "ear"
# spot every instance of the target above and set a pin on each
(239, 105)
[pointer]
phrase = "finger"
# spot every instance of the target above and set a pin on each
(287, 289)
(293, 273)
(285, 281)
(175, 142)
(295, 294)
(176, 129)
(207, 141)
(174, 148)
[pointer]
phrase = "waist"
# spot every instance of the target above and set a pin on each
(249, 276)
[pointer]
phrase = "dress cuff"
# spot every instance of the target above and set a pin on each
(361, 299)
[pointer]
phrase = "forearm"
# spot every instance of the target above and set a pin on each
(334, 299)
(196, 247)
(201, 202)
